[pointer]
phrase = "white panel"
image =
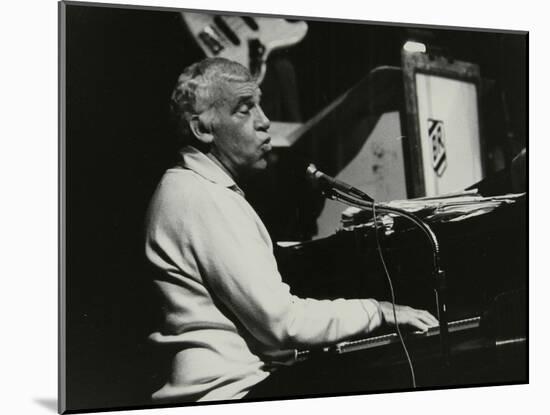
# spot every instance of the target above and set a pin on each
(450, 107)
(377, 169)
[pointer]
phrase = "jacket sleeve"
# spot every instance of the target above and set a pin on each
(237, 263)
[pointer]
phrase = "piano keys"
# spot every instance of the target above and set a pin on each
(484, 257)
(289, 357)
(392, 338)
(479, 356)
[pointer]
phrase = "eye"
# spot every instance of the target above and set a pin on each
(244, 108)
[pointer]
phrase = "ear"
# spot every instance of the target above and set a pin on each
(200, 129)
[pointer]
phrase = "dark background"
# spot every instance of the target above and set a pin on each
(121, 66)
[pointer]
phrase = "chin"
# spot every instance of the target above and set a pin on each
(261, 165)
(257, 166)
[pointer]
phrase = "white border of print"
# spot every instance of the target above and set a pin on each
(29, 203)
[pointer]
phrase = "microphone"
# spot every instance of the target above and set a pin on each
(330, 183)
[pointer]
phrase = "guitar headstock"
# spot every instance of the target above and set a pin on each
(245, 39)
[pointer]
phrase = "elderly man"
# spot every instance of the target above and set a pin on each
(225, 306)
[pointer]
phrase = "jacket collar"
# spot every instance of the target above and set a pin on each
(200, 163)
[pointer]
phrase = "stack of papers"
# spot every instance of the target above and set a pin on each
(445, 208)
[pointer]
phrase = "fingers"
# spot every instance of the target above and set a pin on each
(419, 325)
(418, 319)
(417, 322)
(422, 320)
(427, 318)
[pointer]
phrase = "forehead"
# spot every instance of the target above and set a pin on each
(233, 92)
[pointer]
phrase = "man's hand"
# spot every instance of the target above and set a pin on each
(408, 316)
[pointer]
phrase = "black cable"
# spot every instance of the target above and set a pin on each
(342, 197)
(439, 274)
(361, 204)
(423, 227)
(392, 293)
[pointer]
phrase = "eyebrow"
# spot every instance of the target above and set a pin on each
(248, 98)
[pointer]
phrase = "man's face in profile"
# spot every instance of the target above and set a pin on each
(241, 141)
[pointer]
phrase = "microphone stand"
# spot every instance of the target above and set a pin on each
(439, 275)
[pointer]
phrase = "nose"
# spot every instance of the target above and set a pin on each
(261, 122)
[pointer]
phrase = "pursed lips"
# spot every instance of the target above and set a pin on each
(266, 144)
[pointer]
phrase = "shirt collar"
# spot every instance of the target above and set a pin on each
(200, 163)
